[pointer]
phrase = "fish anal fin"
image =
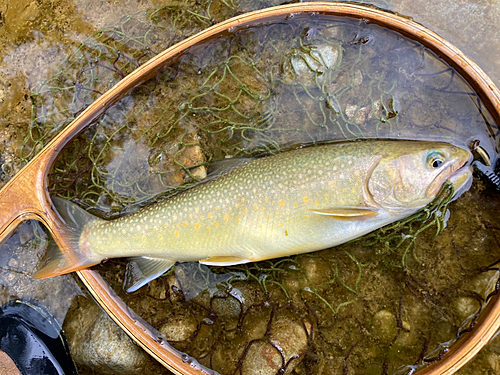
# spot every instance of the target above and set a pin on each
(142, 270)
(346, 212)
(224, 260)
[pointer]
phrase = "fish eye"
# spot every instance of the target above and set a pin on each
(435, 159)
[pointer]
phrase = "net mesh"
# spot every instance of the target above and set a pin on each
(378, 305)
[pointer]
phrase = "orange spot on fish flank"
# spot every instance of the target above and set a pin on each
(281, 203)
(135, 237)
(118, 240)
(185, 224)
(197, 226)
(242, 200)
(176, 233)
(306, 199)
(246, 210)
(196, 210)
(286, 232)
(277, 214)
(237, 219)
(266, 199)
(260, 226)
(316, 202)
(190, 216)
(295, 204)
(226, 218)
(332, 184)
(217, 224)
(268, 218)
(155, 228)
(246, 228)
(143, 238)
(160, 236)
(255, 207)
(166, 225)
(217, 208)
(210, 215)
(208, 229)
(326, 196)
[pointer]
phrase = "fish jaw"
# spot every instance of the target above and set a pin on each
(461, 180)
(456, 170)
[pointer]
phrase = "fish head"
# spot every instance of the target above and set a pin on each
(410, 175)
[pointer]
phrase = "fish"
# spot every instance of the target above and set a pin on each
(294, 202)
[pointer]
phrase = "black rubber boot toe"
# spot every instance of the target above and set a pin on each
(33, 339)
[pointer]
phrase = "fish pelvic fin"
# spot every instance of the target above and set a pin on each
(142, 270)
(346, 212)
(57, 262)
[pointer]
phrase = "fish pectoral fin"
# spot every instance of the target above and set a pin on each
(224, 260)
(142, 270)
(346, 212)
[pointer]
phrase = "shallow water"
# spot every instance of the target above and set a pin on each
(262, 90)
(265, 98)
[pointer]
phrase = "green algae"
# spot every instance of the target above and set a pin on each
(260, 91)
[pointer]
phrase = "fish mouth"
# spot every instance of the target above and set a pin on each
(461, 180)
(458, 172)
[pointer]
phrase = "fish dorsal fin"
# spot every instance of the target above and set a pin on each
(142, 270)
(220, 167)
(224, 261)
(346, 212)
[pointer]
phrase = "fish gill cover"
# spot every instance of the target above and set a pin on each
(386, 303)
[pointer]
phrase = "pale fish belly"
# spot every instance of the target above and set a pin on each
(259, 211)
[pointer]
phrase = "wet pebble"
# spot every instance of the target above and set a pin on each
(179, 328)
(358, 115)
(97, 344)
(306, 67)
(484, 283)
(286, 345)
(316, 270)
(465, 307)
(385, 328)
(228, 307)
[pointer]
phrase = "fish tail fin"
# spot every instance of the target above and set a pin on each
(57, 262)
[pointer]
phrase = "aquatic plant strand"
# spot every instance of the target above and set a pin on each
(257, 92)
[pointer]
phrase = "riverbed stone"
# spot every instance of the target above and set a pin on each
(99, 346)
(286, 345)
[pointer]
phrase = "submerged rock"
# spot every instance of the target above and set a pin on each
(281, 352)
(98, 345)
(308, 66)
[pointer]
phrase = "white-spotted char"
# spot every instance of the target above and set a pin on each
(295, 202)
